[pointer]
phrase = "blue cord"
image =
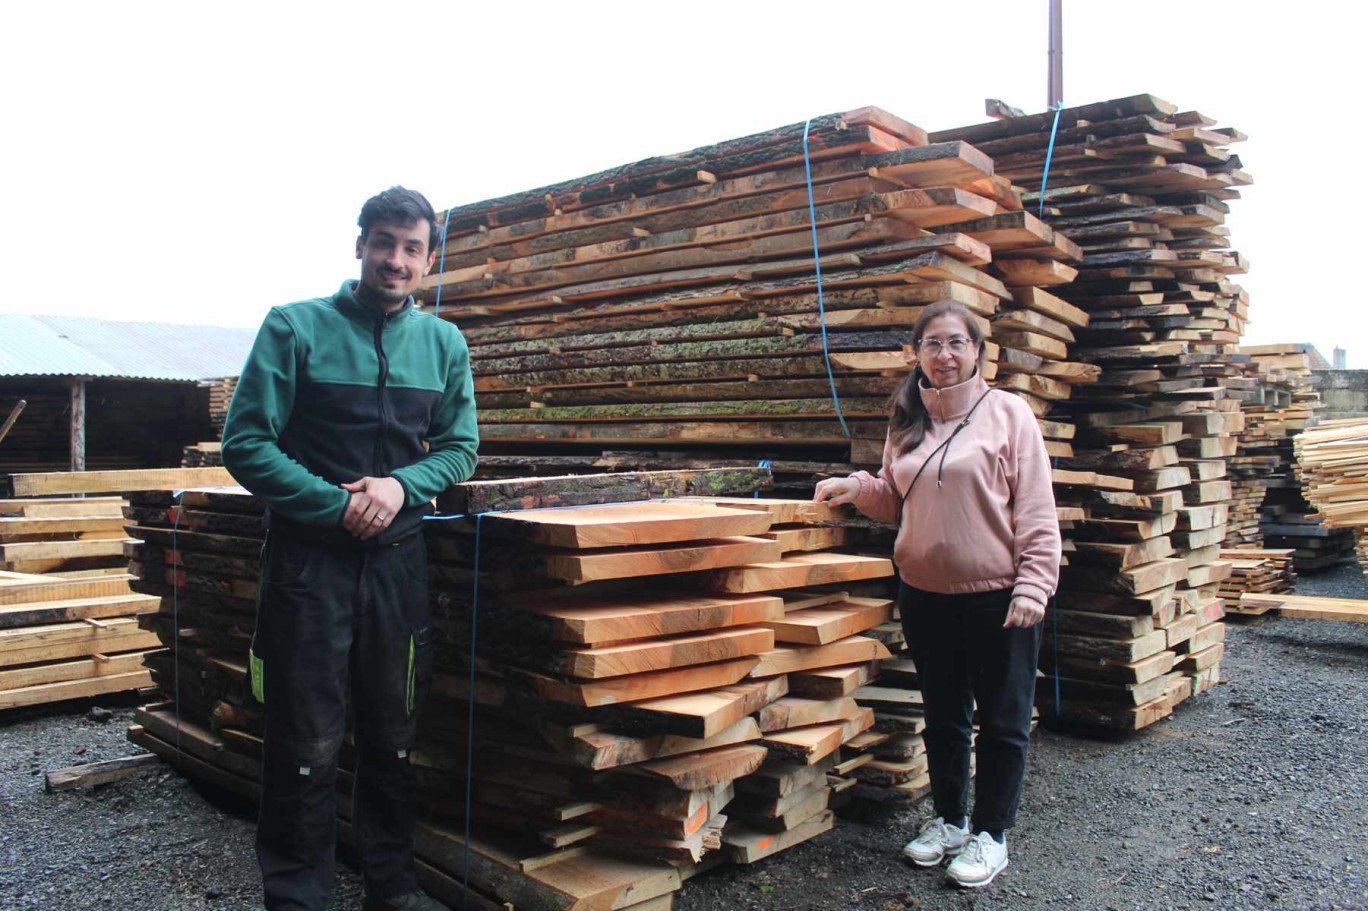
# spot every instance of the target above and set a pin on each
(470, 720)
(1054, 619)
(175, 617)
(441, 266)
(817, 261)
(764, 463)
(1049, 154)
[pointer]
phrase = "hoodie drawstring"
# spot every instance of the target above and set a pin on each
(944, 450)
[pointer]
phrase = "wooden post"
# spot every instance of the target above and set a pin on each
(17, 410)
(78, 422)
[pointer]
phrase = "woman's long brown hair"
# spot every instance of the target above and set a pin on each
(908, 419)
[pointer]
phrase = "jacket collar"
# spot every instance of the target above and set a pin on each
(952, 402)
(350, 304)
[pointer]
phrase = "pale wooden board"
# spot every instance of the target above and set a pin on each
(615, 620)
(636, 687)
(29, 589)
(59, 641)
(704, 769)
(55, 692)
(820, 625)
(811, 744)
(13, 616)
(746, 845)
(830, 682)
(64, 550)
(660, 654)
(796, 712)
(799, 570)
(851, 650)
(64, 506)
(782, 512)
(60, 525)
(59, 672)
(628, 524)
(57, 482)
(630, 563)
(1308, 608)
(715, 710)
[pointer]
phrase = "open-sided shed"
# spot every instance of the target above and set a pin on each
(107, 394)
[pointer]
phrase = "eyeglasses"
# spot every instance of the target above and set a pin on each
(933, 346)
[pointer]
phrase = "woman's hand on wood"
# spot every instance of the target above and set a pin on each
(836, 491)
(1024, 613)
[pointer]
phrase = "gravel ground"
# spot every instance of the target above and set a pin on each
(1253, 795)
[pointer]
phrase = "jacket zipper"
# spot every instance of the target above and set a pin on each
(377, 467)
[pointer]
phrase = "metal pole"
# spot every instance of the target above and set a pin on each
(1056, 75)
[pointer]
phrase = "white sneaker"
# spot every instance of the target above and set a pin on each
(935, 841)
(981, 860)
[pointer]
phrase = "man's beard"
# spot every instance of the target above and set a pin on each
(381, 294)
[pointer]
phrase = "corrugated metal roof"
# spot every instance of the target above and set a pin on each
(79, 346)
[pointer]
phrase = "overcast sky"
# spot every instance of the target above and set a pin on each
(186, 162)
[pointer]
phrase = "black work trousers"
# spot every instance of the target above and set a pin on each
(964, 654)
(329, 620)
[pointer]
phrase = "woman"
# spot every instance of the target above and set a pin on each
(966, 477)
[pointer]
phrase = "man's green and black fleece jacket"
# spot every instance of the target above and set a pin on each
(333, 391)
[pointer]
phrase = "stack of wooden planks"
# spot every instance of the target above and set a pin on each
(220, 397)
(207, 454)
(61, 535)
(1286, 404)
(69, 638)
(67, 613)
(1258, 463)
(657, 685)
(667, 311)
(890, 760)
(1256, 571)
(202, 455)
(1143, 189)
(1332, 464)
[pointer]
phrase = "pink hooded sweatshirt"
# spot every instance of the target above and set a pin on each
(990, 522)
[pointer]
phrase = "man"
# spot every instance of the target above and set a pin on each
(353, 411)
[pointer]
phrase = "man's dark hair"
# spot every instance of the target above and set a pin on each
(400, 206)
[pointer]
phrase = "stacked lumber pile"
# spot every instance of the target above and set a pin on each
(889, 761)
(1143, 189)
(220, 397)
(1288, 404)
(203, 455)
(667, 311)
(68, 624)
(1256, 572)
(207, 453)
(1259, 462)
(1332, 464)
(62, 535)
(69, 638)
(657, 685)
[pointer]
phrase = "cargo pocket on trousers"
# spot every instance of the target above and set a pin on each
(420, 665)
(256, 673)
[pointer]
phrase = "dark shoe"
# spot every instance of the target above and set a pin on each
(409, 901)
